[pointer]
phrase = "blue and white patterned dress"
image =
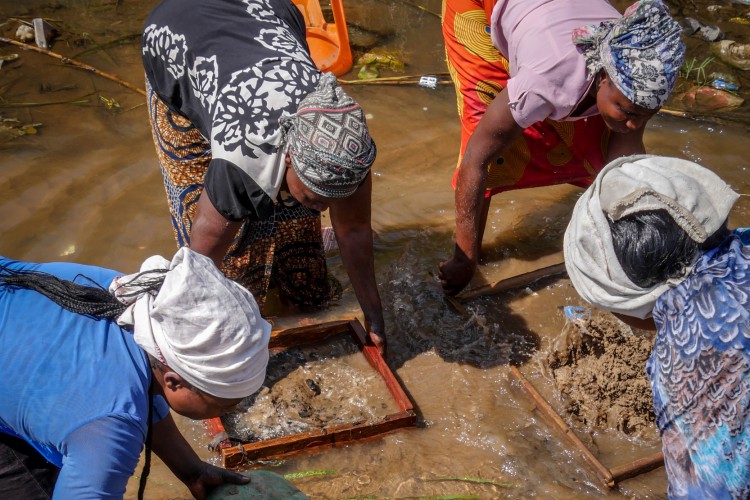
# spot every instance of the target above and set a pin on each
(700, 375)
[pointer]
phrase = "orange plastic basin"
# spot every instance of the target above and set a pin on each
(328, 42)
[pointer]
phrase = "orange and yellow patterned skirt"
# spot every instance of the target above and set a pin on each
(548, 152)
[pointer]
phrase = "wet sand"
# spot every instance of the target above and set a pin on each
(87, 188)
(312, 387)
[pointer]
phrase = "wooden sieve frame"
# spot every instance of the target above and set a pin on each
(236, 455)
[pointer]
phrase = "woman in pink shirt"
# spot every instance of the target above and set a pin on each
(548, 93)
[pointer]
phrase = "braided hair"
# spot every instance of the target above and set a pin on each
(90, 300)
(95, 301)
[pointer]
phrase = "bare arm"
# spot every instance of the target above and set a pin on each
(211, 234)
(176, 453)
(351, 219)
(495, 132)
(641, 324)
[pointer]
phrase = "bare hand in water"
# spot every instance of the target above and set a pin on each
(455, 274)
(378, 340)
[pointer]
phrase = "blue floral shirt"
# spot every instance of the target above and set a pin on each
(700, 375)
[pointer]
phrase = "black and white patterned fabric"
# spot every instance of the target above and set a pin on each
(328, 140)
(233, 68)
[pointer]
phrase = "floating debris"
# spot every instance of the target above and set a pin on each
(10, 128)
(44, 33)
(308, 473)
(368, 72)
(476, 480)
(110, 103)
(704, 99)
(693, 27)
(724, 81)
(390, 61)
(25, 33)
(733, 53)
(7, 58)
(372, 63)
(428, 81)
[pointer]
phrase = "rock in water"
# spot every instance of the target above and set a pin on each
(705, 99)
(263, 485)
(733, 53)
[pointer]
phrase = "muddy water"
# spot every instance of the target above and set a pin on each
(87, 188)
(312, 387)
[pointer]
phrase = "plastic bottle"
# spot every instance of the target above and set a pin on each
(723, 81)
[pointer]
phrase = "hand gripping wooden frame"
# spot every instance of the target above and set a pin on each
(234, 455)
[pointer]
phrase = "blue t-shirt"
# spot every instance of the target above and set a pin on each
(74, 387)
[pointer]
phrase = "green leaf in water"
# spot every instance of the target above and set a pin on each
(110, 103)
(477, 480)
(390, 61)
(272, 463)
(308, 473)
(368, 72)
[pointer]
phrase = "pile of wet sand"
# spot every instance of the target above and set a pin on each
(312, 387)
(599, 366)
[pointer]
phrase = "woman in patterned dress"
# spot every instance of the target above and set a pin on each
(548, 93)
(649, 239)
(247, 171)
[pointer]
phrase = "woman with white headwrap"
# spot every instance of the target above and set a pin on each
(89, 375)
(548, 93)
(649, 239)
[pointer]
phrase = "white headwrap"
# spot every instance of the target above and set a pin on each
(696, 198)
(204, 326)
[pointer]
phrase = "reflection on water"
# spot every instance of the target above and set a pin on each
(87, 188)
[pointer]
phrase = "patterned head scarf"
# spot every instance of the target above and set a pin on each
(642, 52)
(328, 140)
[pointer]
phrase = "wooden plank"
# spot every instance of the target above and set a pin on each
(311, 334)
(637, 467)
(555, 420)
(457, 306)
(513, 282)
(297, 443)
(377, 362)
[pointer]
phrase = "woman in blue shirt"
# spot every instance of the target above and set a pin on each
(87, 359)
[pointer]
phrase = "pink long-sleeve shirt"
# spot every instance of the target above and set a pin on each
(548, 73)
